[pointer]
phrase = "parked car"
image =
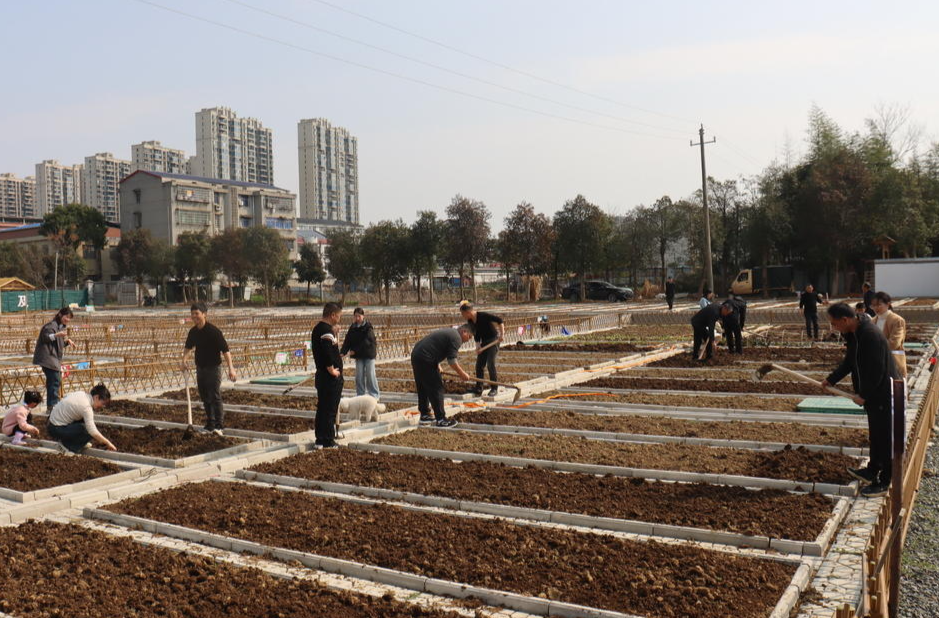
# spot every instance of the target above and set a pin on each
(597, 290)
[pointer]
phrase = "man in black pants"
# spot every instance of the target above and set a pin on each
(426, 357)
(870, 363)
(325, 345)
(732, 327)
(210, 346)
(487, 327)
(670, 292)
(703, 324)
(809, 301)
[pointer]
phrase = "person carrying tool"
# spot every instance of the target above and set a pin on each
(809, 300)
(703, 325)
(426, 357)
(670, 292)
(488, 332)
(892, 326)
(870, 363)
(72, 420)
(210, 347)
(359, 343)
(50, 347)
(328, 378)
(731, 324)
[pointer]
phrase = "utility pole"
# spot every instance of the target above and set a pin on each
(707, 216)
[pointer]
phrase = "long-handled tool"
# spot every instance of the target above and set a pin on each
(190, 429)
(765, 369)
(487, 346)
(518, 389)
(300, 383)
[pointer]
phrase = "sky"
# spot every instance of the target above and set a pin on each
(501, 101)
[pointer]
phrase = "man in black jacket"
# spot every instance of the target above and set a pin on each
(703, 324)
(426, 356)
(868, 299)
(210, 348)
(733, 325)
(328, 378)
(359, 343)
(809, 301)
(670, 292)
(870, 363)
(487, 328)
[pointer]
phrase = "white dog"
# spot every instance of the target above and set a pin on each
(364, 408)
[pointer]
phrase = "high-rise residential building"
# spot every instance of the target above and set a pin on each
(57, 185)
(153, 156)
(17, 196)
(101, 186)
(329, 172)
(232, 148)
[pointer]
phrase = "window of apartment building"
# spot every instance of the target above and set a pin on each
(193, 194)
(137, 193)
(244, 221)
(191, 217)
(138, 220)
(289, 245)
(89, 252)
(243, 201)
(278, 223)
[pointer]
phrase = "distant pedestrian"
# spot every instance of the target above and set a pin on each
(426, 356)
(730, 322)
(488, 328)
(72, 420)
(740, 304)
(50, 348)
(892, 326)
(328, 378)
(359, 343)
(870, 363)
(809, 301)
(860, 309)
(18, 418)
(702, 324)
(670, 292)
(210, 348)
(706, 298)
(868, 298)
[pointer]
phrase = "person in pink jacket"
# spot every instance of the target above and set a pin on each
(16, 421)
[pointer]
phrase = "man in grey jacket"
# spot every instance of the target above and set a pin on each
(50, 347)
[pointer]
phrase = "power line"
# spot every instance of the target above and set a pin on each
(740, 152)
(438, 67)
(399, 75)
(497, 63)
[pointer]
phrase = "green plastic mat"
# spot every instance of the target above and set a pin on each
(829, 405)
(280, 380)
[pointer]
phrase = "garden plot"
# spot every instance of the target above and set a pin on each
(709, 385)
(425, 549)
(474, 485)
(788, 464)
(89, 573)
(732, 402)
(724, 373)
(794, 433)
(265, 402)
(794, 357)
(31, 473)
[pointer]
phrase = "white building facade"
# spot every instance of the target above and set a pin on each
(153, 156)
(101, 183)
(329, 172)
(232, 148)
(57, 185)
(17, 196)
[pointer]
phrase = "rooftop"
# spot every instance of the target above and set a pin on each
(217, 181)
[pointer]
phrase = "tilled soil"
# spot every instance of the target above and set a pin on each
(766, 355)
(450, 387)
(22, 471)
(792, 433)
(287, 402)
(53, 569)
(725, 373)
(155, 442)
(732, 509)
(793, 464)
(583, 346)
(733, 402)
(271, 423)
(710, 385)
(650, 579)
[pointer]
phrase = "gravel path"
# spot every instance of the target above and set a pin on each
(919, 586)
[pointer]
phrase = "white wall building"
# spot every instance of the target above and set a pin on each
(101, 178)
(232, 148)
(329, 172)
(153, 156)
(57, 185)
(17, 196)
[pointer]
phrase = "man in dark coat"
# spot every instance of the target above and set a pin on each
(732, 325)
(703, 325)
(868, 299)
(670, 292)
(328, 379)
(870, 363)
(809, 301)
(359, 343)
(426, 356)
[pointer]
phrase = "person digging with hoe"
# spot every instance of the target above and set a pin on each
(210, 347)
(703, 325)
(328, 380)
(488, 332)
(870, 362)
(426, 357)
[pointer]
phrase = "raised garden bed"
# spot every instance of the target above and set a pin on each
(709, 385)
(733, 402)
(809, 359)
(53, 569)
(271, 423)
(621, 348)
(649, 579)
(725, 373)
(731, 509)
(286, 402)
(794, 433)
(24, 471)
(796, 464)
